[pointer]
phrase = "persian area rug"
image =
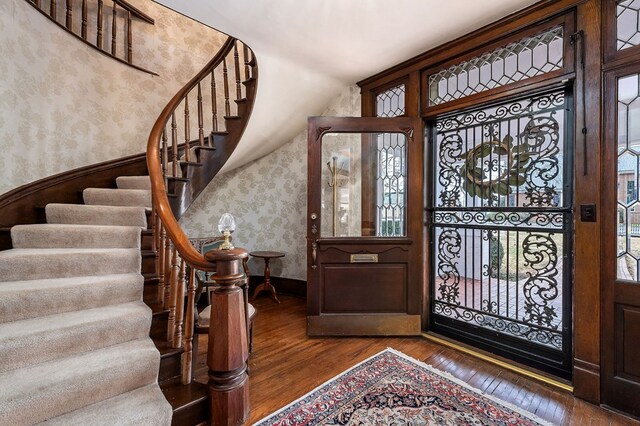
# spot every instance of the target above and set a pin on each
(391, 388)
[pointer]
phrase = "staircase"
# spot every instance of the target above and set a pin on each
(74, 331)
(97, 299)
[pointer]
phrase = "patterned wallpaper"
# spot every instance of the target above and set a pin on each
(268, 198)
(71, 108)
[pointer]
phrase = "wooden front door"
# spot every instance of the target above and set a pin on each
(364, 226)
(621, 241)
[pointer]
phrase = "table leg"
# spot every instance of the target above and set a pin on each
(266, 285)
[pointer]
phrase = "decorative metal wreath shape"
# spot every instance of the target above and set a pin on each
(493, 180)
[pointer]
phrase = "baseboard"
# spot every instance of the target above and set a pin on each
(586, 381)
(290, 286)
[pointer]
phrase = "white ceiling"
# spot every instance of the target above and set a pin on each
(308, 50)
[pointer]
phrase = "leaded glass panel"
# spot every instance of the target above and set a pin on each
(627, 23)
(526, 58)
(628, 210)
(390, 103)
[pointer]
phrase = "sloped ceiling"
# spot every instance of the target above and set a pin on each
(307, 50)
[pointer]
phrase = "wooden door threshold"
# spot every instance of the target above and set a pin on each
(501, 362)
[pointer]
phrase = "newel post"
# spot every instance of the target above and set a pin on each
(228, 350)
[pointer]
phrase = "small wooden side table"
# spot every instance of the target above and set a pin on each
(266, 285)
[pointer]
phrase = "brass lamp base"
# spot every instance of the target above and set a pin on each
(226, 245)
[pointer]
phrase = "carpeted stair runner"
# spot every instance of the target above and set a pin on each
(74, 345)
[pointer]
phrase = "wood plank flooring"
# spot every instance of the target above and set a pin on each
(286, 364)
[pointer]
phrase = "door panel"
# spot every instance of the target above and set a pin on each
(364, 214)
(621, 242)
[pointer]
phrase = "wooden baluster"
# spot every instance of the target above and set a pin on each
(129, 39)
(174, 145)
(214, 104)
(84, 19)
(200, 117)
(228, 352)
(177, 335)
(164, 156)
(99, 23)
(236, 61)
(247, 68)
(37, 3)
(166, 296)
(114, 30)
(187, 130)
(155, 245)
(53, 9)
(225, 75)
(173, 295)
(161, 261)
(187, 355)
(69, 20)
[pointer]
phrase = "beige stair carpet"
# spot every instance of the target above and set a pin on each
(74, 332)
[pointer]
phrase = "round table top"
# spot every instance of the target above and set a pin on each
(266, 254)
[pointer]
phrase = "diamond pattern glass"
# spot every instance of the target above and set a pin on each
(628, 208)
(526, 58)
(627, 23)
(390, 103)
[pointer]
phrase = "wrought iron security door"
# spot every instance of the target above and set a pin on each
(501, 229)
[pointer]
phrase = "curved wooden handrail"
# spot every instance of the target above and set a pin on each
(161, 202)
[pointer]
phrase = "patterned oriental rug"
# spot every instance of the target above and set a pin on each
(391, 388)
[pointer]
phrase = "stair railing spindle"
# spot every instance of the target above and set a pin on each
(173, 295)
(236, 61)
(83, 31)
(187, 130)
(225, 75)
(164, 157)
(180, 291)
(200, 117)
(114, 30)
(166, 294)
(129, 39)
(174, 145)
(69, 20)
(53, 9)
(99, 24)
(214, 104)
(245, 54)
(187, 357)
(37, 3)
(161, 261)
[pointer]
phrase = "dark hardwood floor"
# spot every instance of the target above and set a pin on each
(286, 364)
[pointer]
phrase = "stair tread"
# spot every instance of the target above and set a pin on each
(133, 182)
(39, 339)
(182, 396)
(96, 214)
(49, 389)
(48, 235)
(117, 197)
(142, 406)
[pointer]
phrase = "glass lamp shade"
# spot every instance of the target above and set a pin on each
(227, 223)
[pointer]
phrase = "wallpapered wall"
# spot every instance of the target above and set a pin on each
(268, 198)
(63, 105)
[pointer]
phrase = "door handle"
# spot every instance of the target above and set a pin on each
(314, 254)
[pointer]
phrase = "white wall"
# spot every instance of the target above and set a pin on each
(268, 198)
(64, 106)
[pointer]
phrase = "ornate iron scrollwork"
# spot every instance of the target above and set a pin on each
(448, 251)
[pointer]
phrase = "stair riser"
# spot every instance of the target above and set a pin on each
(133, 182)
(117, 197)
(95, 379)
(44, 236)
(170, 367)
(31, 348)
(71, 265)
(95, 215)
(14, 306)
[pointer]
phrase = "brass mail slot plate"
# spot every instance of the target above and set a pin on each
(364, 258)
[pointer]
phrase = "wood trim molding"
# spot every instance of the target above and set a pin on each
(26, 203)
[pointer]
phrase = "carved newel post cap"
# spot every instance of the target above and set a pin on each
(219, 255)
